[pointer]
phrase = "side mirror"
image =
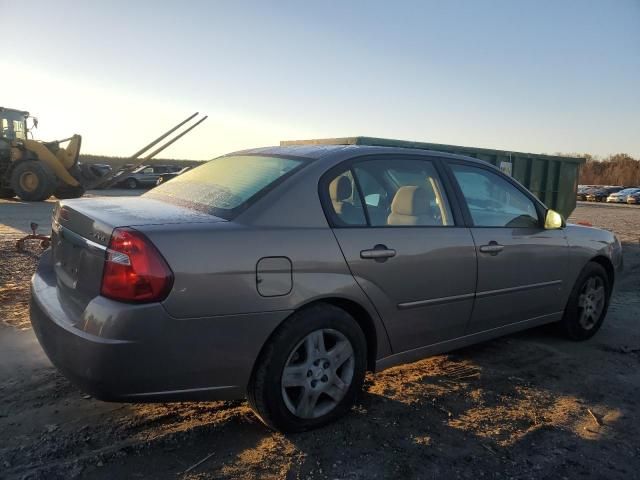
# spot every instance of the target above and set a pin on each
(553, 220)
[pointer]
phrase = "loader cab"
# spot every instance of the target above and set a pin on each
(13, 124)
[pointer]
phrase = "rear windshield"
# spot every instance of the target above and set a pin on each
(227, 185)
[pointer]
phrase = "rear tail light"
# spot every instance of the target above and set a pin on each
(134, 270)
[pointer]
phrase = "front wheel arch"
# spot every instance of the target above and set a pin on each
(605, 263)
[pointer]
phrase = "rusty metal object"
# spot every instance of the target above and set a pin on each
(45, 240)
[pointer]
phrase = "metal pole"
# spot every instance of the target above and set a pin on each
(161, 137)
(162, 147)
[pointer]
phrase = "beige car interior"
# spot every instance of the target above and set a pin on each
(411, 205)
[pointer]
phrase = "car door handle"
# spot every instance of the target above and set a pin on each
(492, 248)
(379, 253)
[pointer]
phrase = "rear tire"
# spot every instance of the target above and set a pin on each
(311, 370)
(33, 181)
(588, 303)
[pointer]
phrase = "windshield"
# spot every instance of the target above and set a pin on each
(13, 125)
(226, 185)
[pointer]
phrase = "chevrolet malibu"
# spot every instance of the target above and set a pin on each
(283, 274)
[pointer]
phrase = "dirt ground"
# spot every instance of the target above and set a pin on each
(530, 405)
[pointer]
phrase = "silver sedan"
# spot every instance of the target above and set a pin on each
(283, 274)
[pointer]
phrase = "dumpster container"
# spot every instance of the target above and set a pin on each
(551, 178)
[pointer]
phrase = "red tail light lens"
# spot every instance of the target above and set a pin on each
(134, 270)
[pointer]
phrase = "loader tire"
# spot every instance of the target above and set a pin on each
(33, 181)
(68, 191)
(7, 192)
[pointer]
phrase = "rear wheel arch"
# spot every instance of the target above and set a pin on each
(267, 369)
(357, 311)
(362, 318)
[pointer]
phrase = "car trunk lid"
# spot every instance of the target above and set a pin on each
(81, 230)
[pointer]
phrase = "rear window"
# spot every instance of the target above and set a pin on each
(227, 185)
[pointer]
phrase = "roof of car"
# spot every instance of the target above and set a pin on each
(343, 152)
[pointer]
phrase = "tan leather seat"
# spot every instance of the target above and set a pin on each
(410, 206)
(340, 190)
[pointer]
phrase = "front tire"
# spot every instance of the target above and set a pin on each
(131, 183)
(588, 303)
(33, 181)
(68, 191)
(311, 370)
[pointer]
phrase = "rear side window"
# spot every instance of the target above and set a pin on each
(403, 193)
(226, 185)
(493, 201)
(390, 192)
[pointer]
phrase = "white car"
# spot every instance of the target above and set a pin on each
(621, 196)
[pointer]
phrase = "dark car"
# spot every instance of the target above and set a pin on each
(144, 176)
(584, 190)
(283, 274)
(168, 176)
(601, 194)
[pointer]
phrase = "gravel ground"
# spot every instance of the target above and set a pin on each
(531, 405)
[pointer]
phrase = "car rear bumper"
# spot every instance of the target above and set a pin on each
(122, 352)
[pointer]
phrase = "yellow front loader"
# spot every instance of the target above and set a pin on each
(34, 170)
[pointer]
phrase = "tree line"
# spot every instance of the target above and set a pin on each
(619, 169)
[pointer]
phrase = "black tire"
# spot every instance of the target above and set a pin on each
(33, 181)
(578, 323)
(7, 192)
(131, 183)
(265, 393)
(68, 191)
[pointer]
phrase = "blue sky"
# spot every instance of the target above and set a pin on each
(537, 76)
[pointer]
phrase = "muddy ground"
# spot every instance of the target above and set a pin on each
(531, 405)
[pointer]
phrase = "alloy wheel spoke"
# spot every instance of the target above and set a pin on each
(314, 343)
(340, 353)
(308, 401)
(598, 293)
(294, 376)
(337, 389)
(581, 299)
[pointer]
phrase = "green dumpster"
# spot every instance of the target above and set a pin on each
(551, 178)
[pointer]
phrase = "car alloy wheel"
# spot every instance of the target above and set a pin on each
(591, 302)
(311, 370)
(318, 373)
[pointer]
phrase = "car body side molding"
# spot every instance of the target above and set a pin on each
(435, 301)
(531, 286)
(460, 342)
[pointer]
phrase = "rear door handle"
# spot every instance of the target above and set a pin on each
(379, 253)
(493, 248)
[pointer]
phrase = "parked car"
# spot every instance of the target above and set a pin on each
(621, 196)
(144, 176)
(601, 194)
(584, 190)
(634, 198)
(283, 274)
(165, 177)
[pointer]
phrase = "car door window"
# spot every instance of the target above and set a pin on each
(148, 171)
(344, 202)
(493, 201)
(401, 192)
